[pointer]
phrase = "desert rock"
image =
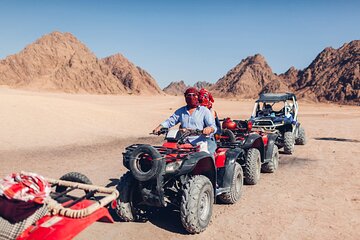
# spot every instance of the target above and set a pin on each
(134, 79)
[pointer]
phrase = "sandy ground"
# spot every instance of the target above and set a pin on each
(315, 194)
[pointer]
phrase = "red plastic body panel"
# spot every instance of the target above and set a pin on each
(220, 157)
(63, 228)
(265, 140)
(175, 145)
(170, 144)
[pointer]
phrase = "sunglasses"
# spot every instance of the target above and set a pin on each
(191, 95)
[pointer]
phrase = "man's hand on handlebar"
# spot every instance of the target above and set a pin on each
(207, 130)
(157, 129)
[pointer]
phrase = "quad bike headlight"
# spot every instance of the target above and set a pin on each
(172, 167)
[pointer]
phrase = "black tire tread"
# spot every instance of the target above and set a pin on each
(156, 162)
(252, 169)
(73, 177)
(301, 139)
(271, 166)
(289, 142)
(189, 200)
(232, 196)
(123, 207)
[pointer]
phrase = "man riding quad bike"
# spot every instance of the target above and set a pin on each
(179, 175)
(282, 121)
(261, 153)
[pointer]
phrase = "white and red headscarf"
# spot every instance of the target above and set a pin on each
(205, 98)
(24, 186)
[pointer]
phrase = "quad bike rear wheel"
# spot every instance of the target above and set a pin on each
(289, 142)
(235, 192)
(271, 166)
(301, 138)
(196, 204)
(73, 177)
(252, 166)
(129, 196)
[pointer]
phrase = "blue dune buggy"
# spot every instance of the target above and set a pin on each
(278, 113)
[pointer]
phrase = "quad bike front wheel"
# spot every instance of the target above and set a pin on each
(289, 142)
(196, 204)
(271, 166)
(129, 196)
(252, 166)
(301, 138)
(237, 183)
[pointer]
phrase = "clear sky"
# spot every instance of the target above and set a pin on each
(194, 40)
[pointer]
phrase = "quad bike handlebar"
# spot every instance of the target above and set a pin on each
(183, 133)
(160, 132)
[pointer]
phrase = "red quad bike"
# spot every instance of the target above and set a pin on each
(74, 205)
(262, 154)
(178, 175)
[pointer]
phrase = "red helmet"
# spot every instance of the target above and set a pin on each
(229, 124)
(205, 98)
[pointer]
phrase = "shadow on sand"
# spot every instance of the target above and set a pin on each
(291, 161)
(166, 218)
(337, 139)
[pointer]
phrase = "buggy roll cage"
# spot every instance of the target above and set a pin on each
(275, 98)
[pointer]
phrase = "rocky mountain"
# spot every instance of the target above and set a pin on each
(60, 62)
(247, 79)
(202, 84)
(333, 76)
(176, 88)
(290, 76)
(134, 79)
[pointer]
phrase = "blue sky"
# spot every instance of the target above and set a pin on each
(187, 40)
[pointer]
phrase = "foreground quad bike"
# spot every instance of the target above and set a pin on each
(261, 153)
(74, 205)
(279, 115)
(178, 175)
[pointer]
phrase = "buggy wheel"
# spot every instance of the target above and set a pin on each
(271, 166)
(230, 136)
(235, 192)
(289, 142)
(301, 138)
(196, 204)
(73, 177)
(129, 196)
(252, 167)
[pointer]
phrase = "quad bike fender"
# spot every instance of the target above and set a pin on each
(254, 141)
(199, 163)
(228, 171)
(270, 147)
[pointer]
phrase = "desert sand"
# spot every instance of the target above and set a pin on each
(315, 194)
